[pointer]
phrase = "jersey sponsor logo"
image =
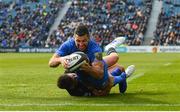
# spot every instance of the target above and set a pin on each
(73, 59)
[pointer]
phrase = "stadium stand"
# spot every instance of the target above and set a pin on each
(168, 28)
(107, 19)
(27, 23)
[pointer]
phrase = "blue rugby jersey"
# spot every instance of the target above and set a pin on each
(70, 47)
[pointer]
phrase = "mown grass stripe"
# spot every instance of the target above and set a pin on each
(134, 77)
(167, 64)
(104, 104)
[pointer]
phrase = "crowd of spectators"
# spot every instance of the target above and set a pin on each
(107, 20)
(168, 28)
(27, 24)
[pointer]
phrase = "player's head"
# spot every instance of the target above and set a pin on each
(81, 36)
(67, 81)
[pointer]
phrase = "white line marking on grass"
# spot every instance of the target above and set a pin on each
(167, 64)
(134, 77)
(88, 105)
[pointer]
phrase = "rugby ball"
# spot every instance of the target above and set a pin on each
(75, 60)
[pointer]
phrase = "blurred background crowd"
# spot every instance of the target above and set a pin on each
(27, 23)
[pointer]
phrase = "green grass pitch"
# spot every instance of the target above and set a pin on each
(27, 83)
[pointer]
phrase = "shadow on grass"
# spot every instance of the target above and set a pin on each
(146, 97)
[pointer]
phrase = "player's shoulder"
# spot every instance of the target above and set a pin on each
(92, 42)
(69, 41)
(66, 48)
(94, 46)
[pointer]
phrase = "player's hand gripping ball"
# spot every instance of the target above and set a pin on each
(75, 60)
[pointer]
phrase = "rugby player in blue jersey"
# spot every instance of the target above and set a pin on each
(82, 42)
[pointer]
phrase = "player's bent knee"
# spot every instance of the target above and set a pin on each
(111, 59)
(114, 58)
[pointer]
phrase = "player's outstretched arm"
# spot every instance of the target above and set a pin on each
(56, 60)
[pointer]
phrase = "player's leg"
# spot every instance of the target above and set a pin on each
(121, 80)
(115, 69)
(128, 72)
(116, 42)
(112, 56)
(111, 59)
(120, 77)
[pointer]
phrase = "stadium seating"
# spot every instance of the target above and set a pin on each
(168, 27)
(108, 20)
(27, 23)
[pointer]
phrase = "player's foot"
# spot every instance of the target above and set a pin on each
(116, 42)
(123, 84)
(129, 70)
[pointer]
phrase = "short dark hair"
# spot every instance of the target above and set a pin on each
(65, 82)
(81, 30)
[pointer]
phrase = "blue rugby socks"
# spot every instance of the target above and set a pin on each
(119, 79)
(116, 72)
